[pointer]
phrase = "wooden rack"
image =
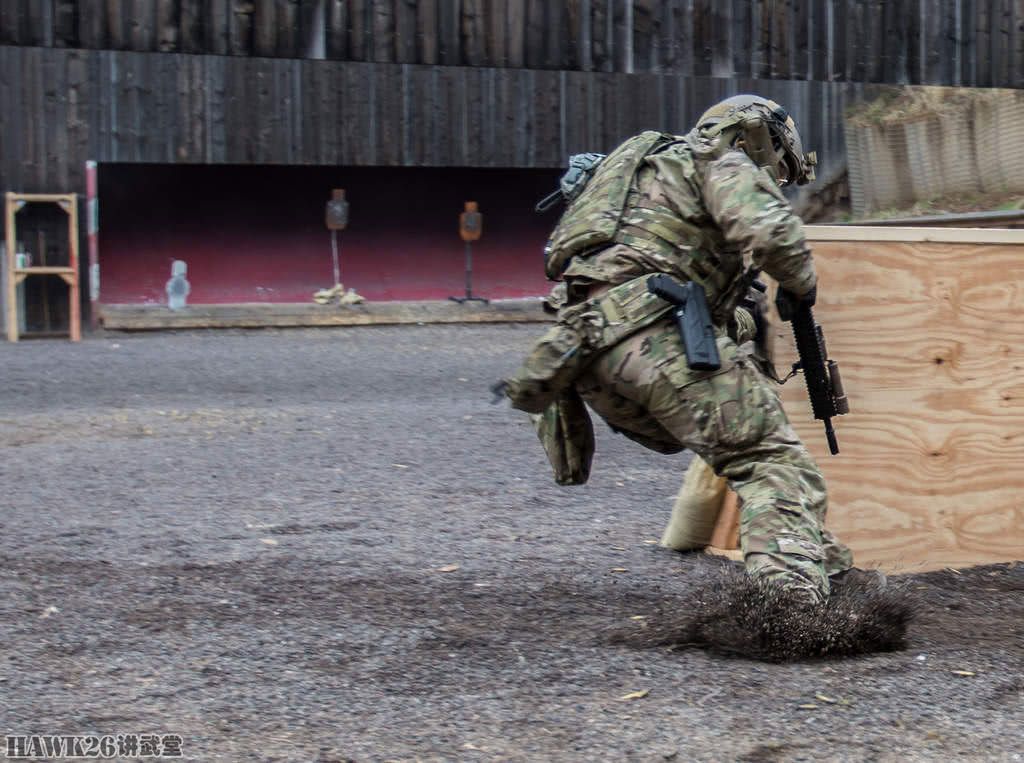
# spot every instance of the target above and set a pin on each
(15, 275)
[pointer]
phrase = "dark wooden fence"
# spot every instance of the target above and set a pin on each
(950, 42)
(59, 108)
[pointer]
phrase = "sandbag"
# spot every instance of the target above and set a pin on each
(696, 509)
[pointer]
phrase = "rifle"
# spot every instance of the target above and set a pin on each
(824, 384)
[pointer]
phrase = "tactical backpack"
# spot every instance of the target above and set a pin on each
(593, 218)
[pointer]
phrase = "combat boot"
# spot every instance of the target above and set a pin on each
(858, 578)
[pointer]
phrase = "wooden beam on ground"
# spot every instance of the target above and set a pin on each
(868, 234)
(266, 315)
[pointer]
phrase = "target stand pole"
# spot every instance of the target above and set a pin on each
(470, 228)
(469, 280)
(334, 257)
(336, 217)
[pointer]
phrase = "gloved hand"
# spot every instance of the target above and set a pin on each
(498, 389)
(751, 315)
(787, 303)
(746, 324)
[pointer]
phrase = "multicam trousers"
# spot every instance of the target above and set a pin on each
(733, 419)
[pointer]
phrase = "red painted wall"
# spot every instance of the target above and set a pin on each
(257, 234)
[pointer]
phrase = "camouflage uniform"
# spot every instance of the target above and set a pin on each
(696, 211)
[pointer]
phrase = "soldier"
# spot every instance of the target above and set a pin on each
(705, 207)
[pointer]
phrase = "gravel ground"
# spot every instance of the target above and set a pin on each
(327, 545)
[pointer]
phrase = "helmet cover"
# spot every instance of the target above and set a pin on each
(766, 132)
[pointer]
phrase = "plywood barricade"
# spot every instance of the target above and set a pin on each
(926, 324)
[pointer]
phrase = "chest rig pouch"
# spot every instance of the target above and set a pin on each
(582, 332)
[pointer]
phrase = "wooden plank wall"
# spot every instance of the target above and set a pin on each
(937, 42)
(60, 107)
(929, 474)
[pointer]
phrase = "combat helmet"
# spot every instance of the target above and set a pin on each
(765, 132)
